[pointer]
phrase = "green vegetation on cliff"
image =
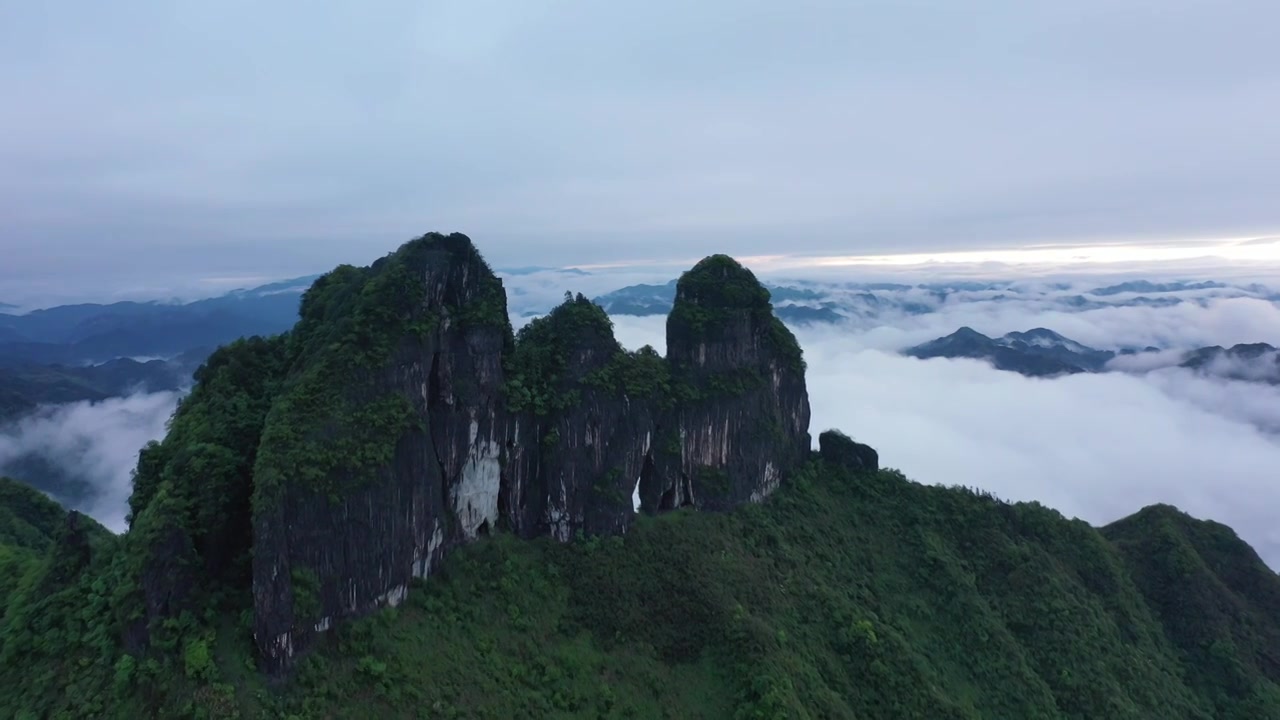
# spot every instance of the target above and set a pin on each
(213, 437)
(335, 416)
(538, 370)
(28, 518)
(855, 595)
(849, 593)
(716, 295)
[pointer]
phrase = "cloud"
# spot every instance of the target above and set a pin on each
(273, 137)
(1189, 325)
(1098, 447)
(1265, 367)
(1253, 403)
(1147, 361)
(84, 453)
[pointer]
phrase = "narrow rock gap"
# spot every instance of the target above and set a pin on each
(643, 483)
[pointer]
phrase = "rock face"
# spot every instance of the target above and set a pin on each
(358, 494)
(742, 420)
(404, 418)
(839, 449)
(585, 435)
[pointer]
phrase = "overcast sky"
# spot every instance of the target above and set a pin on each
(235, 139)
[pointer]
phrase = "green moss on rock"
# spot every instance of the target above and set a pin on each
(538, 370)
(712, 300)
(333, 426)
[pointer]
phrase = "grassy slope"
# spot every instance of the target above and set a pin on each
(845, 595)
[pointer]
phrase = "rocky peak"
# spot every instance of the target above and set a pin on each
(742, 421)
(723, 316)
(383, 447)
(582, 440)
(839, 449)
(401, 417)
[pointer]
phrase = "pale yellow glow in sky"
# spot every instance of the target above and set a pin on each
(1260, 249)
(1239, 250)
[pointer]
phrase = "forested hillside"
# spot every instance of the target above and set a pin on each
(401, 509)
(847, 594)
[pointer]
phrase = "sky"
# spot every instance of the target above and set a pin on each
(206, 142)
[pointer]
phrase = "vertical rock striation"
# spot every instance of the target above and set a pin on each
(384, 447)
(588, 421)
(742, 420)
(401, 417)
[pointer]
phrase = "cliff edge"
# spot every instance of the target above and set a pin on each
(402, 417)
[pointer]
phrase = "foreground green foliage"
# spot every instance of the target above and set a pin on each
(28, 518)
(846, 595)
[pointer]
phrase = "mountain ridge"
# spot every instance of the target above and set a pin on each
(281, 533)
(1041, 352)
(389, 406)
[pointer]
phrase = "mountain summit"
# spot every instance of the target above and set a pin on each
(312, 480)
(401, 418)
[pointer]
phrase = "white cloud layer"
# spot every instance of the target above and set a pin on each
(96, 443)
(1098, 447)
(1094, 446)
(1189, 325)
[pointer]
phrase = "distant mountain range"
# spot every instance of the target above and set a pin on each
(791, 304)
(1041, 352)
(93, 351)
(92, 333)
(806, 302)
(1144, 286)
(23, 388)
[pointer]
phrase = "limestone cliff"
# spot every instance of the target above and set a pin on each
(743, 417)
(402, 417)
(586, 426)
(384, 447)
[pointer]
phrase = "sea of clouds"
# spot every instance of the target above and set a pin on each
(1094, 446)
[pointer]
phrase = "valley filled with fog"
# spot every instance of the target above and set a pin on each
(1096, 445)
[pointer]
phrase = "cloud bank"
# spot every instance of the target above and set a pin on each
(84, 453)
(1098, 447)
(1094, 446)
(160, 138)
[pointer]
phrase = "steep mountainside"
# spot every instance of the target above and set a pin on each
(401, 509)
(401, 418)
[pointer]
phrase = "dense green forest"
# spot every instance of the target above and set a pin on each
(847, 594)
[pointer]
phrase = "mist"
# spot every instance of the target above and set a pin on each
(1094, 446)
(83, 454)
